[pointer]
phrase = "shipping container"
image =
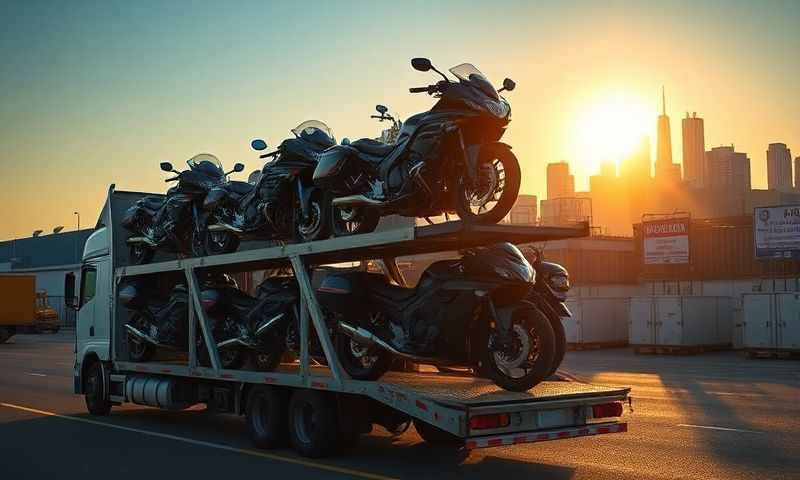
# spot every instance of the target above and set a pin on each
(771, 321)
(681, 321)
(597, 321)
(718, 249)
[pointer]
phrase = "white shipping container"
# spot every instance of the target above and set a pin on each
(597, 320)
(771, 320)
(681, 320)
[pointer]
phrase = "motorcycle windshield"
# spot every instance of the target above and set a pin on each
(469, 74)
(207, 164)
(315, 132)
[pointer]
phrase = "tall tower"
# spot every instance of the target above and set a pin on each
(560, 184)
(694, 147)
(665, 169)
(779, 167)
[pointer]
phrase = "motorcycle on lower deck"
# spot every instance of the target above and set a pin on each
(446, 160)
(174, 223)
(283, 204)
(470, 312)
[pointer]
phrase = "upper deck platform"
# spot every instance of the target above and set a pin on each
(442, 237)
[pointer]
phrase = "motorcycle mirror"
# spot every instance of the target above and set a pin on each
(421, 64)
(381, 109)
(167, 167)
(509, 85)
(258, 144)
(345, 141)
(238, 167)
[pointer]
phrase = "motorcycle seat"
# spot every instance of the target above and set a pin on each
(372, 147)
(151, 203)
(240, 188)
(393, 292)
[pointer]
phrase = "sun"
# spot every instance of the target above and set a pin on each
(609, 129)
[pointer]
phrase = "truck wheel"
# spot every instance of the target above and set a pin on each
(5, 334)
(97, 401)
(313, 428)
(436, 436)
(266, 417)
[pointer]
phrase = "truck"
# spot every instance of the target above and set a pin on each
(316, 406)
(17, 301)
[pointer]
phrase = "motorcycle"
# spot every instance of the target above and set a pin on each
(448, 159)
(391, 134)
(261, 322)
(173, 223)
(157, 322)
(283, 203)
(470, 312)
(549, 294)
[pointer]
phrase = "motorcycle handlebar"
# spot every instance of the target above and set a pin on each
(171, 179)
(420, 89)
(270, 154)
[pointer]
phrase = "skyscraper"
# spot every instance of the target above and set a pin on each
(797, 173)
(694, 148)
(779, 167)
(665, 169)
(728, 181)
(560, 184)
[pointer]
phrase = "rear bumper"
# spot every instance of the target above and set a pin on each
(544, 436)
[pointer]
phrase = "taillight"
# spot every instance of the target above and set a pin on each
(607, 410)
(208, 299)
(482, 422)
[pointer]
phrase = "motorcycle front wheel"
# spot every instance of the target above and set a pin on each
(215, 243)
(316, 226)
(489, 199)
(353, 220)
(139, 350)
(360, 361)
(528, 358)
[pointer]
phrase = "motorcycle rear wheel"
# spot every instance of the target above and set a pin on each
(139, 254)
(139, 351)
(361, 362)
(499, 173)
(215, 243)
(354, 220)
(532, 354)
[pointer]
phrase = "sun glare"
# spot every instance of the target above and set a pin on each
(609, 130)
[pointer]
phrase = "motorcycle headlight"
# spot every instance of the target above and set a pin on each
(497, 108)
(559, 283)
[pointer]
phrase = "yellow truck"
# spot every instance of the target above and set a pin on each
(17, 304)
(45, 316)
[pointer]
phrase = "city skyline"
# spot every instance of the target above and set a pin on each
(96, 94)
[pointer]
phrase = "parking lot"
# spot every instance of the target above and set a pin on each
(710, 416)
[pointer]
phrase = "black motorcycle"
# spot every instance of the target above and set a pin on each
(163, 322)
(261, 322)
(283, 203)
(174, 223)
(448, 159)
(470, 312)
(549, 294)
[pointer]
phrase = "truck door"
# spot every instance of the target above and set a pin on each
(84, 323)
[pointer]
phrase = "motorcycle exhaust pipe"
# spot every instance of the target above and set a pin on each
(223, 227)
(356, 201)
(145, 240)
(232, 342)
(140, 334)
(268, 324)
(369, 339)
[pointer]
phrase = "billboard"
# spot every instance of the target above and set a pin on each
(776, 232)
(666, 241)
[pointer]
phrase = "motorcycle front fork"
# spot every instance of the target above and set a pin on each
(502, 321)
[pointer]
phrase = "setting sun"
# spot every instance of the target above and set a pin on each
(609, 129)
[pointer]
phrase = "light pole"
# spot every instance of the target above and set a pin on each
(79, 218)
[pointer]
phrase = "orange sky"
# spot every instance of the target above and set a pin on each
(94, 95)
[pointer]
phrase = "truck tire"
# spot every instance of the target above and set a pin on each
(265, 412)
(436, 436)
(5, 334)
(313, 428)
(97, 402)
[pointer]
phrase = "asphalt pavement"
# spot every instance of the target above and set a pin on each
(711, 416)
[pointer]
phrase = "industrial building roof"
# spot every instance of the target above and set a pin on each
(44, 251)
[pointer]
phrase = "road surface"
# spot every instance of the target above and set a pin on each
(713, 416)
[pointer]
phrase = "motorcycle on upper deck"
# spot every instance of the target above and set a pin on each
(174, 223)
(446, 160)
(282, 204)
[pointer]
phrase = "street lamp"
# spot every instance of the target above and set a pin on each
(79, 219)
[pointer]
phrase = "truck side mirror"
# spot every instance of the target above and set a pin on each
(69, 291)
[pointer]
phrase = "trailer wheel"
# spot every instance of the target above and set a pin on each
(313, 428)
(436, 436)
(266, 417)
(97, 402)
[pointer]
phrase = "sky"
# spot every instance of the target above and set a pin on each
(95, 93)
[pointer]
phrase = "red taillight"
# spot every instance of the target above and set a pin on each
(607, 410)
(482, 422)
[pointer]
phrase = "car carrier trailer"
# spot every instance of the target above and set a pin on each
(319, 407)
